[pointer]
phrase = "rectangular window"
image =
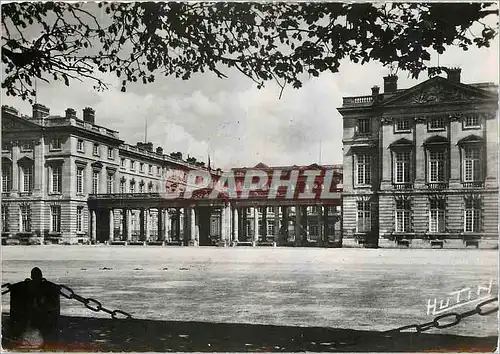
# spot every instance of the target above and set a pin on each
(214, 226)
(132, 165)
(95, 182)
(5, 218)
(122, 162)
(471, 121)
(110, 182)
(150, 171)
(122, 186)
(471, 164)
(79, 180)
(402, 125)
(55, 212)
(6, 177)
(27, 178)
(363, 217)
(437, 123)
(141, 187)
(437, 215)
(56, 144)
(150, 187)
(141, 167)
(437, 166)
(25, 218)
(270, 228)
(111, 153)
(472, 217)
(96, 150)
(363, 169)
(403, 216)
(79, 219)
(270, 210)
(132, 187)
(364, 126)
(313, 230)
(402, 166)
(80, 146)
(56, 179)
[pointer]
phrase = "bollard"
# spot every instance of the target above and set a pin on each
(34, 311)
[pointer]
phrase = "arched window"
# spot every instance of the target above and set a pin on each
(437, 150)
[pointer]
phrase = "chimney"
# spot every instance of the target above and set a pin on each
(70, 113)
(140, 145)
(89, 115)
(9, 110)
(148, 146)
(375, 91)
(159, 150)
(390, 83)
(454, 75)
(40, 111)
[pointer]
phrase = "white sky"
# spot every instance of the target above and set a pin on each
(235, 122)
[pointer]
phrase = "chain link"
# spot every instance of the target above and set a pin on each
(450, 319)
(90, 303)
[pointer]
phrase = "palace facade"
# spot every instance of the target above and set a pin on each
(421, 165)
(69, 180)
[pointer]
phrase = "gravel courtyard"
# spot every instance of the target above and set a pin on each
(361, 289)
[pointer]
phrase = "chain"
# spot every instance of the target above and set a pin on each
(90, 303)
(450, 319)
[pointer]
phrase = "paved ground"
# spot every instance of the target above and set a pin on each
(359, 289)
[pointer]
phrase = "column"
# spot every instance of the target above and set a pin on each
(264, 224)
(160, 219)
(185, 226)
(129, 225)
(111, 225)
(244, 222)
(142, 228)
(227, 224)
(178, 226)
(319, 220)
(298, 228)
(236, 220)
(255, 226)
(305, 223)
(124, 225)
(147, 229)
(168, 226)
(192, 227)
(286, 219)
(93, 231)
(15, 168)
(276, 225)
(325, 226)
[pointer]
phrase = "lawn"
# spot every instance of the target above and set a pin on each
(363, 289)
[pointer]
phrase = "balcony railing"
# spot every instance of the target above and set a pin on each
(357, 101)
(403, 186)
(437, 185)
(478, 184)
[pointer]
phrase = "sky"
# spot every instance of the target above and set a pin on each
(235, 123)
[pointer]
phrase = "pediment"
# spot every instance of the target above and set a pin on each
(10, 122)
(438, 90)
(401, 143)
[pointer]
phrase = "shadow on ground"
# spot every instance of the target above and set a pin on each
(97, 334)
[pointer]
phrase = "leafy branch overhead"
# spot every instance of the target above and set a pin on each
(282, 42)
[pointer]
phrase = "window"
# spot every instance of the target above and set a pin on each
(472, 217)
(5, 218)
(55, 212)
(141, 187)
(270, 228)
(79, 180)
(150, 187)
(122, 162)
(132, 187)
(471, 164)
(437, 215)
(471, 121)
(363, 169)
(25, 218)
(364, 126)
(111, 153)
(27, 178)
(132, 165)
(363, 217)
(403, 215)
(95, 182)
(402, 166)
(313, 230)
(150, 171)
(122, 186)
(214, 226)
(141, 167)
(79, 219)
(56, 179)
(80, 146)
(437, 166)
(402, 125)
(55, 144)
(96, 150)
(6, 177)
(26, 146)
(110, 182)
(437, 123)
(270, 210)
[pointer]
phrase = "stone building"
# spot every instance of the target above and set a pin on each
(421, 165)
